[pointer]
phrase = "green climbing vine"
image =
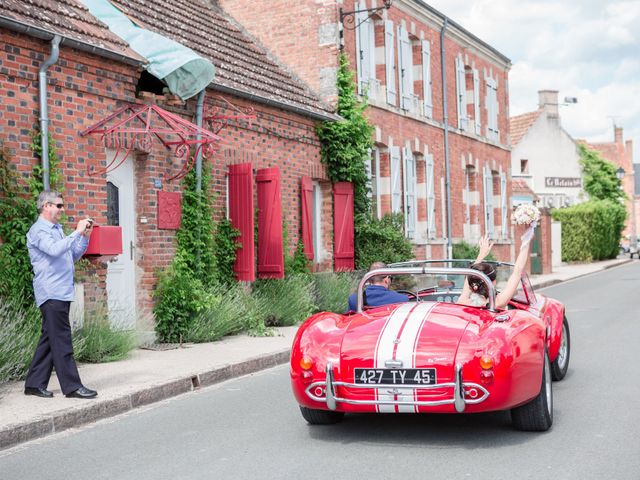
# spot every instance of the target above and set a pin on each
(346, 146)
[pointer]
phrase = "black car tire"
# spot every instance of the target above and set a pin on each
(537, 415)
(320, 417)
(560, 365)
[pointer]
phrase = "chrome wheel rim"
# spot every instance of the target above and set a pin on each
(562, 351)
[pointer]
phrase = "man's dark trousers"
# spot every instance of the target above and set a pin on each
(54, 349)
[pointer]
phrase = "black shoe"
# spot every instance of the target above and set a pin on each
(38, 392)
(82, 392)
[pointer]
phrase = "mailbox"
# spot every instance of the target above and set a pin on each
(105, 240)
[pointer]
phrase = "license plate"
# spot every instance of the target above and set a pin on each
(395, 376)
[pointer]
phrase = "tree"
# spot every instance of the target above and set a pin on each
(600, 181)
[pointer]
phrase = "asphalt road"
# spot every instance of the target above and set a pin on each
(250, 428)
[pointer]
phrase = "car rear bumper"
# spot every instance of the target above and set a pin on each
(462, 393)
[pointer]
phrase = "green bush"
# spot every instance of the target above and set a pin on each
(98, 342)
(19, 333)
(178, 298)
(229, 311)
(382, 241)
(331, 290)
(225, 245)
(284, 302)
(591, 230)
(466, 251)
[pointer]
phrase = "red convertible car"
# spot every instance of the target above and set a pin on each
(431, 355)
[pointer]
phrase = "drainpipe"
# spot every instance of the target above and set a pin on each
(445, 119)
(44, 114)
(199, 111)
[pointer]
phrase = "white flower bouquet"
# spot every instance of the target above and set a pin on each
(526, 214)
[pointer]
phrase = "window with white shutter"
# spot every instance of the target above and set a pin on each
(389, 51)
(396, 180)
(431, 197)
(488, 202)
(409, 192)
(405, 62)
(461, 93)
(372, 168)
(503, 205)
(492, 109)
(426, 79)
(476, 101)
(365, 47)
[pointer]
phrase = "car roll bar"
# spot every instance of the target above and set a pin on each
(383, 272)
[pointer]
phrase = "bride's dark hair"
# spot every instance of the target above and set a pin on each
(476, 284)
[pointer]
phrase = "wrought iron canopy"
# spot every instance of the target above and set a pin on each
(136, 126)
(217, 117)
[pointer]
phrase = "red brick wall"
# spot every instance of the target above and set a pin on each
(83, 89)
(282, 33)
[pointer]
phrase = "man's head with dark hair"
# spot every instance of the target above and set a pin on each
(378, 279)
(476, 284)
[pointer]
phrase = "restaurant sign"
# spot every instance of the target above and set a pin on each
(563, 182)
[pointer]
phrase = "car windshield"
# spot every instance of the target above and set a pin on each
(448, 287)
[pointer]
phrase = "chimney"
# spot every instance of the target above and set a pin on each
(548, 101)
(617, 132)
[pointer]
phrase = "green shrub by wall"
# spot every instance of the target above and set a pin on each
(590, 230)
(382, 241)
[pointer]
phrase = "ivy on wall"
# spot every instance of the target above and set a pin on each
(346, 146)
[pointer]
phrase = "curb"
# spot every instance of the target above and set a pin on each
(61, 420)
(555, 281)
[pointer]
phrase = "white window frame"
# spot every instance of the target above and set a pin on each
(373, 165)
(426, 79)
(405, 70)
(461, 93)
(365, 50)
(390, 66)
(409, 180)
(396, 179)
(504, 230)
(318, 247)
(491, 101)
(476, 101)
(431, 196)
(488, 202)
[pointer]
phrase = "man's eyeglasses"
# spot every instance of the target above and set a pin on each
(57, 205)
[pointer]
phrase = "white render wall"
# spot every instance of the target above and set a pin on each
(551, 152)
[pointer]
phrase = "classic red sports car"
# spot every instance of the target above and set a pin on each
(431, 355)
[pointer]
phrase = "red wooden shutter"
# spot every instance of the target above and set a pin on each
(270, 254)
(241, 216)
(343, 251)
(306, 202)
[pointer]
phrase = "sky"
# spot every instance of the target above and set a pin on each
(588, 49)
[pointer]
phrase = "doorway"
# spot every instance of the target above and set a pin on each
(121, 274)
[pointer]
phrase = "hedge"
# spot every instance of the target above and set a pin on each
(590, 230)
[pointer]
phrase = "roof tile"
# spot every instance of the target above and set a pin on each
(520, 125)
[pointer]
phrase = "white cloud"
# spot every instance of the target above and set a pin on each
(588, 49)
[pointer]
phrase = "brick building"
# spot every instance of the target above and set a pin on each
(97, 72)
(620, 153)
(405, 57)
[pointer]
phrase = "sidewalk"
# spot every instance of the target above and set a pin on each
(149, 376)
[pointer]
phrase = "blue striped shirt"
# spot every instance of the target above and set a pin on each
(52, 256)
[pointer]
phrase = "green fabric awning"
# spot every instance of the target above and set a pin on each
(184, 71)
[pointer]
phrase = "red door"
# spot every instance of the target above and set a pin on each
(343, 250)
(270, 253)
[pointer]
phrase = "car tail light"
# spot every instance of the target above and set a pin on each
(306, 363)
(486, 362)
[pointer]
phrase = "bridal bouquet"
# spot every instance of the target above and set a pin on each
(527, 214)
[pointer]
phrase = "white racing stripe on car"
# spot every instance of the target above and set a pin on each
(407, 347)
(385, 348)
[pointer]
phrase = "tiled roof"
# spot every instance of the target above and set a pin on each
(520, 125)
(67, 18)
(240, 63)
(521, 186)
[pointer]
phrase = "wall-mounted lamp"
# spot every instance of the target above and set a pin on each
(348, 19)
(620, 173)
